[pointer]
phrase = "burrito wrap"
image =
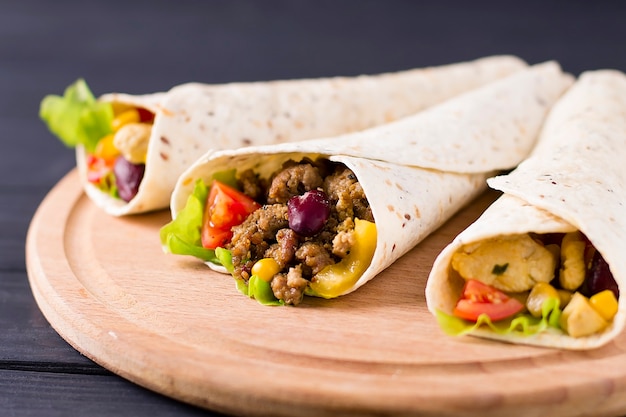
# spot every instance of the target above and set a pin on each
(408, 200)
(193, 118)
(574, 180)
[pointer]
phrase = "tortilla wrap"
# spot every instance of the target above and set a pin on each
(193, 118)
(574, 180)
(418, 171)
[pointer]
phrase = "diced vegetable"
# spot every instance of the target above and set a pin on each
(97, 168)
(333, 280)
(124, 118)
(225, 207)
(105, 148)
(605, 303)
(260, 290)
(478, 298)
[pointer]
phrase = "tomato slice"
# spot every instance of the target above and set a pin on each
(479, 298)
(225, 207)
(213, 237)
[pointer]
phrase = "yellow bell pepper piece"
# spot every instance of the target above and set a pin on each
(124, 118)
(105, 148)
(334, 280)
(265, 269)
(605, 304)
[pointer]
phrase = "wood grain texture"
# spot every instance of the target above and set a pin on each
(171, 325)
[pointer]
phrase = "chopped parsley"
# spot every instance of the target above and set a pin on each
(499, 269)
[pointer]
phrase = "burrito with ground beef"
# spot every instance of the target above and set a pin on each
(131, 149)
(545, 264)
(322, 217)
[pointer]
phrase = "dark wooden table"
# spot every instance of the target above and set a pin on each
(147, 46)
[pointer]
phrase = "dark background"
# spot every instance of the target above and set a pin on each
(147, 46)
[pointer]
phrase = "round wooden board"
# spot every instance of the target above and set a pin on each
(172, 325)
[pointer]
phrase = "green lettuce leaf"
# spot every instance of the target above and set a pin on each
(225, 258)
(519, 325)
(182, 236)
(77, 117)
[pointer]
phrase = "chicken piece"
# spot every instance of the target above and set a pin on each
(512, 263)
(573, 270)
(132, 141)
(565, 297)
(580, 319)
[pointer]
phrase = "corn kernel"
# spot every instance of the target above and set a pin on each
(105, 148)
(129, 116)
(265, 269)
(605, 304)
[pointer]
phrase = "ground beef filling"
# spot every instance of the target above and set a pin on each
(266, 233)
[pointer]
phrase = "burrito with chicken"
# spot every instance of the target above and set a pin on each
(132, 149)
(322, 217)
(544, 265)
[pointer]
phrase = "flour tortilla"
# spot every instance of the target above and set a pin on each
(413, 192)
(574, 180)
(194, 118)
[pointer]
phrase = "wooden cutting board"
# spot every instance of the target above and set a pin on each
(170, 324)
